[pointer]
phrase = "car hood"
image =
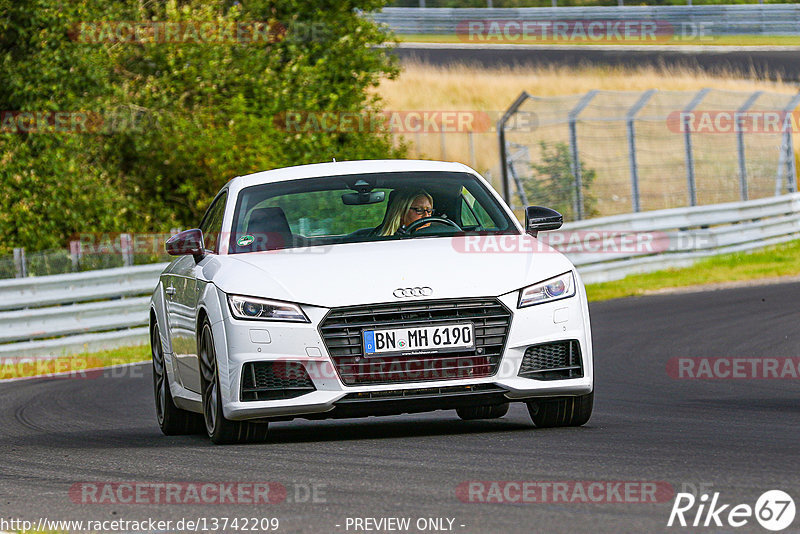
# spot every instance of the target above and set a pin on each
(361, 273)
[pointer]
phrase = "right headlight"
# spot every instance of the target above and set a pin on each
(267, 310)
(552, 289)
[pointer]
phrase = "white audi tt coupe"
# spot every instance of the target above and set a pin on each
(366, 288)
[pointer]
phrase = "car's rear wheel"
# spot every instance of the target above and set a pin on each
(220, 429)
(494, 411)
(561, 411)
(172, 420)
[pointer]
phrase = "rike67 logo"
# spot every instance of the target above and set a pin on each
(774, 510)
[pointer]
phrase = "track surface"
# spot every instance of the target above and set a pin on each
(747, 63)
(739, 436)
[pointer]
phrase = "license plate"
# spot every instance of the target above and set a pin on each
(420, 340)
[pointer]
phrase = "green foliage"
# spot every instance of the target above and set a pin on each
(187, 116)
(553, 184)
(50, 189)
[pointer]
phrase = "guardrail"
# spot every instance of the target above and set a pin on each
(53, 315)
(675, 237)
(753, 19)
(80, 312)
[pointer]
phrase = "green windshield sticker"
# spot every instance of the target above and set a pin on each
(245, 240)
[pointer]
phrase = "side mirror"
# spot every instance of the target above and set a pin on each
(540, 219)
(185, 243)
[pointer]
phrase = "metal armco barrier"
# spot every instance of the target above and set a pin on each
(69, 313)
(94, 310)
(687, 21)
(681, 236)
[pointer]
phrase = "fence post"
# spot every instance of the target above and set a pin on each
(471, 140)
(629, 118)
(575, 155)
(75, 253)
(687, 141)
(523, 154)
(791, 171)
(786, 161)
(20, 265)
(501, 138)
(740, 143)
(126, 248)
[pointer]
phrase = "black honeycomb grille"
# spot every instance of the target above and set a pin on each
(552, 361)
(274, 380)
(342, 329)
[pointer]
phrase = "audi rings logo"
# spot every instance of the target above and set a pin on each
(406, 292)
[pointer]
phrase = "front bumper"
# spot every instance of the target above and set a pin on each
(240, 342)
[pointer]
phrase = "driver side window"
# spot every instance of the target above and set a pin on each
(212, 224)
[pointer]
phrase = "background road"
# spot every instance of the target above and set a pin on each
(739, 436)
(746, 62)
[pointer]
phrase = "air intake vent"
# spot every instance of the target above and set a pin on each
(274, 380)
(552, 361)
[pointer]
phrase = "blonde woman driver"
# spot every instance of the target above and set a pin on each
(407, 207)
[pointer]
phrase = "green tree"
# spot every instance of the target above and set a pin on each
(553, 183)
(180, 118)
(51, 190)
(217, 108)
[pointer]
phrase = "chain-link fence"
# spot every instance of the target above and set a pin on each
(606, 153)
(99, 251)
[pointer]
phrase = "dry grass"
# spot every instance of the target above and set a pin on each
(463, 87)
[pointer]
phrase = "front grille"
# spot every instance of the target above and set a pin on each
(552, 361)
(401, 394)
(342, 328)
(274, 381)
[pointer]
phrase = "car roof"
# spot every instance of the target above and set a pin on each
(345, 167)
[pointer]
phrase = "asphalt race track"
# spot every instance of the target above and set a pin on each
(736, 437)
(769, 62)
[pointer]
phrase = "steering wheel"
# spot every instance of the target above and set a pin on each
(414, 226)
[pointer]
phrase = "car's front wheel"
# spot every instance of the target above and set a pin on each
(220, 429)
(469, 413)
(172, 420)
(561, 411)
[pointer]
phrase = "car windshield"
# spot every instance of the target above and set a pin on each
(364, 207)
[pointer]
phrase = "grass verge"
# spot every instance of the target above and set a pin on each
(771, 262)
(74, 365)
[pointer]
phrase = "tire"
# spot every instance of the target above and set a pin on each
(172, 420)
(561, 411)
(218, 428)
(492, 411)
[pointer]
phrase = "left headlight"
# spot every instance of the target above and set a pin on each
(268, 310)
(556, 288)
